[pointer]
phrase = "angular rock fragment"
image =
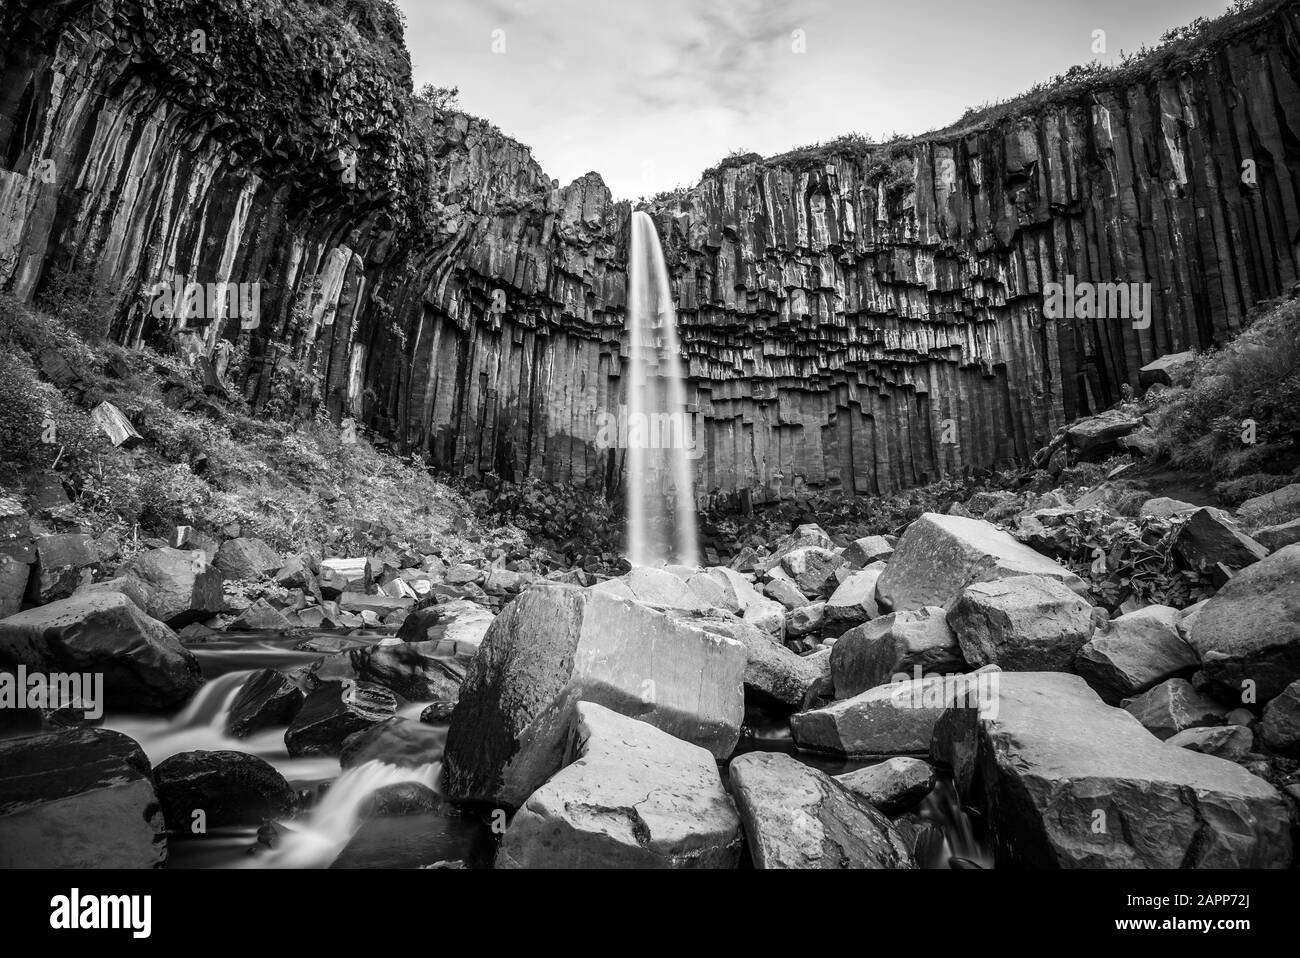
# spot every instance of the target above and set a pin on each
(899, 643)
(893, 786)
(1173, 706)
(1021, 623)
(1135, 652)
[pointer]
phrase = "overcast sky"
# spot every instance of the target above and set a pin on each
(650, 93)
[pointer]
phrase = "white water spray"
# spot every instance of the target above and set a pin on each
(658, 474)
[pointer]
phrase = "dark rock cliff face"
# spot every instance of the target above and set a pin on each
(855, 319)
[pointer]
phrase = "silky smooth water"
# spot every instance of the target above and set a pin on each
(660, 482)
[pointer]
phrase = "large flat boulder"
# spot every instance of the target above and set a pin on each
(628, 796)
(895, 719)
(939, 556)
(896, 644)
(1066, 781)
(653, 587)
(798, 817)
(181, 587)
(1022, 623)
(1250, 631)
(557, 645)
(1135, 652)
(75, 799)
(144, 665)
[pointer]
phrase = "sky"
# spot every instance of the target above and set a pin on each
(650, 93)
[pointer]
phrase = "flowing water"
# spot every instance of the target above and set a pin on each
(661, 441)
(316, 836)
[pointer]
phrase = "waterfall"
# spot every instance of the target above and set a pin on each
(659, 441)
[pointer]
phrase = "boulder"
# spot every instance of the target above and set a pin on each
(1172, 706)
(1209, 537)
(866, 551)
(652, 587)
(144, 665)
(339, 575)
(1231, 742)
(247, 559)
(1281, 726)
(899, 643)
(1165, 370)
(812, 568)
(774, 675)
(893, 786)
(13, 584)
(798, 817)
(332, 712)
(1165, 508)
(1021, 623)
(398, 741)
(181, 586)
(854, 602)
(805, 620)
(399, 799)
(261, 616)
(419, 671)
(1066, 781)
(1272, 538)
(78, 799)
(230, 788)
(1136, 652)
(1277, 506)
(380, 605)
(1098, 436)
(766, 615)
(628, 796)
(557, 645)
(1250, 630)
(787, 593)
(267, 699)
(63, 562)
(939, 556)
(460, 622)
(895, 719)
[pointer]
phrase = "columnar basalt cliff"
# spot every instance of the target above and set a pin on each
(854, 318)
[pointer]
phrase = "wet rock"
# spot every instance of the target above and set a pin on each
(1229, 742)
(556, 645)
(895, 719)
(867, 550)
(459, 622)
(438, 713)
(875, 653)
(63, 562)
(939, 556)
(332, 712)
(145, 667)
(78, 799)
(247, 559)
(395, 741)
(419, 671)
(1135, 652)
(267, 699)
(798, 817)
(1209, 537)
(1173, 706)
(1250, 630)
(893, 786)
(1021, 623)
(1054, 756)
(1281, 726)
(229, 788)
(400, 798)
(181, 587)
(628, 796)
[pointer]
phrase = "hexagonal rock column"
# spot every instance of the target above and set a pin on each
(631, 797)
(558, 645)
(1056, 762)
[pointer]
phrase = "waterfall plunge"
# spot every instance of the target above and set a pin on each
(660, 440)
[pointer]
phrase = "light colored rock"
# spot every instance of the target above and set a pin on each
(247, 559)
(867, 550)
(1135, 652)
(812, 568)
(939, 556)
(1068, 756)
(1021, 623)
(767, 615)
(653, 587)
(182, 587)
(628, 796)
(1164, 508)
(875, 653)
(893, 786)
(557, 645)
(798, 817)
(1250, 630)
(805, 620)
(782, 590)
(854, 602)
(461, 623)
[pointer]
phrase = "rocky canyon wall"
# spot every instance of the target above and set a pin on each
(855, 318)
